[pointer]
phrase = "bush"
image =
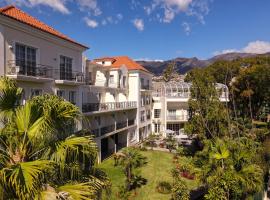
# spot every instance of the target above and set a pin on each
(164, 187)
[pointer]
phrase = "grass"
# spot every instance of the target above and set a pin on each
(158, 169)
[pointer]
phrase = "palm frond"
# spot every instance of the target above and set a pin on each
(72, 150)
(78, 191)
(25, 178)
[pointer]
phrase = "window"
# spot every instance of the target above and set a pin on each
(26, 59)
(98, 95)
(172, 112)
(148, 114)
(157, 113)
(36, 92)
(111, 79)
(157, 128)
(60, 93)
(65, 68)
(72, 97)
(142, 116)
(124, 81)
(142, 82)
(97, 118)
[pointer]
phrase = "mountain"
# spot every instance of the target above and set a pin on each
(183, 65)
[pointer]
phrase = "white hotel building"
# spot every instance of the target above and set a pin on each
(170, 109)
(113, 93)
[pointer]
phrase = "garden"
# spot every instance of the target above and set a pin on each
(155, 177)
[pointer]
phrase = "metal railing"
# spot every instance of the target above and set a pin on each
(29, 69)
(131, 122)
(178, 95)
(121, 125)
(75, 76)
(177, 117)
(111, 128)
(91, 107)
(107, 129)
(21, 67)
(146, 87)
(95, 132)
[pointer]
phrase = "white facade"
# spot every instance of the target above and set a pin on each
(170, 107)
(115, 100)
(115, 105)
(33, 58)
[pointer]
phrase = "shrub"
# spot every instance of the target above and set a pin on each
(164, 187)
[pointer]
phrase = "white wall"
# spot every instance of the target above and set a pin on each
(2, 50)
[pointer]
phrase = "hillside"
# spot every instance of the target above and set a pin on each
(183, 65)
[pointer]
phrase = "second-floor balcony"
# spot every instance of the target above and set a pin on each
(113, 128)
(111, 106)
(31, 71)
(146, 87)
(183, 117)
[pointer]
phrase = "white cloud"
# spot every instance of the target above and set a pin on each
(187, 28)
(169, 15)
(90, 22)
(139, 24)
(225, 51)
(171, 8)
(119, 16)
(57, 5)
(256, 47)
(179, 4)
(90, 5)
(148, 60)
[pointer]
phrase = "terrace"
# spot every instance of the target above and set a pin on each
(110, 106)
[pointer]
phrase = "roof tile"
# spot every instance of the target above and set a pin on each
(19, 15)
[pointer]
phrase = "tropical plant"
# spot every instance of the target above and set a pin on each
(164, 187)
(180, 190)
(131, 159)
(38, 160)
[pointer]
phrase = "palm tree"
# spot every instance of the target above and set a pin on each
(39, 158)
(220, 152)
(130, 159)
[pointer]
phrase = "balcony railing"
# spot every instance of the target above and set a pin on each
(95, 132)
(121, 125)
(178, 95)
(92, 107)
(131, 122)
(74, 76)
(146, 87)
(107, 129)
(177, 117)
(21, 67)
(111, 128)
(29, 69)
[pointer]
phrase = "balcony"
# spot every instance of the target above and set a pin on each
(69, 77)
(121, 125)
(107, 129)
(27, 71)
(146, 87)
(112, 106)
(114, 128)
(131, 122)
(177, 117)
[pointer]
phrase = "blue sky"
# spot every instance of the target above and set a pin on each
(158, 29)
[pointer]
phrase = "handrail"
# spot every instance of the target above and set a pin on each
(22, 67)
(91, 107)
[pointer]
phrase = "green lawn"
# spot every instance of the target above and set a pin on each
(157, 169)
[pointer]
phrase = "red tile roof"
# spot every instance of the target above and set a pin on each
(118, 61)
(19, 15)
